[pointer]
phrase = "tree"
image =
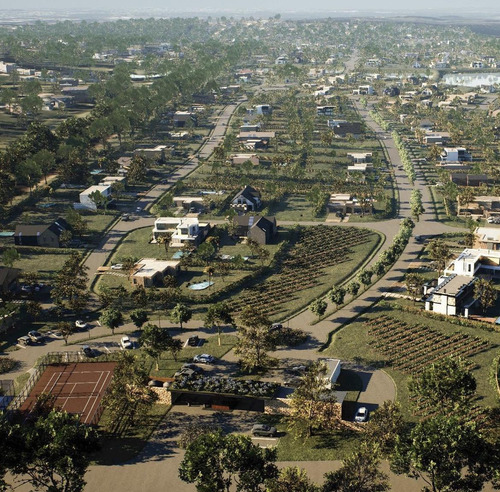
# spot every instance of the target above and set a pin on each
(46, 161)
(485, 293)
(353, 288)
(416, 206)
(139, 317)
(448, 453)
(66, 329)
(446, 386)
(192, 431)
(180, 314)
(214, 461)
(10, 256)
(386, 424)
(414, 284)
(318, 307)
(255, 339)
(112, 318)
(128, 398)
(313, 403)
(54, 452)
(217, 314)
(155, 341)
(70, 285)
(337, 295)
(292, 479)
(365, 277)
(358, 473)
(439, 252)
(98, 199)
(209, 270)
(164, 239)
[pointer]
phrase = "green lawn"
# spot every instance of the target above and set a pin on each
(352, 342)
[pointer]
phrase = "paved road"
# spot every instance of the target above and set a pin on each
(100, 255)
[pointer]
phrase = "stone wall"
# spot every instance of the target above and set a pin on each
(164, 395)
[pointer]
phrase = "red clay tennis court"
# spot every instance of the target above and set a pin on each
(77, 387)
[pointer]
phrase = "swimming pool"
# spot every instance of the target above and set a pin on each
(201, 285)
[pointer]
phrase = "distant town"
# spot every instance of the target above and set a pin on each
(249, 251)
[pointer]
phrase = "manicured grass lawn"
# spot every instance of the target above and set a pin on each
(168, 366)
(45, 263)
(294, 208)
(352, 342)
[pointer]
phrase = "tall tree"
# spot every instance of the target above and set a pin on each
(312, 404)
(440, 253)
(54, 453)
(180, 314)
(254, 339)
(139, 317)
(155, 341)
(292, 479)
(213, 462)
(112, 318)
(446, 386)
(358, 473)
(485, 293)
(218, 314)
(318, 307)
(414, 284)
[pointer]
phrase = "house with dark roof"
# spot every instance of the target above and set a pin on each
(46, 235)
(354, 128)
(248, 199)
(261, 229)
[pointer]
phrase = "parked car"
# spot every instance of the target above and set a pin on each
(24, 341)
(361, 415)
(193, 341)
(35, 336)
(188, 370)
(204, 359)
(117, 266)
(125, 217)
(276, 327)
(88, 351)
(80, 324)
(126, 343)
(263, 430)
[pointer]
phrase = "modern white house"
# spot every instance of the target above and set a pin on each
(263, 109)
(85, 200)
(454, 154)
(189, 231)
(452, 296)
(163, 225)
(360, 157)
(471, 262)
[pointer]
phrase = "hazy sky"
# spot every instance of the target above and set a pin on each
(453, 7)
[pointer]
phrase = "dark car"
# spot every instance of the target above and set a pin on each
(35, 336)
(87, 351)
(193, 341)
(263, 430)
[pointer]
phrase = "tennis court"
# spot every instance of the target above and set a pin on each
(78, 388)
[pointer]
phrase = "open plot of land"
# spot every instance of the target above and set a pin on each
(78, 388)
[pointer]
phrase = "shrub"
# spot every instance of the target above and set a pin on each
(7, 364)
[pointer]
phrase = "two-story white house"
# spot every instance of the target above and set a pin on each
(86, 201)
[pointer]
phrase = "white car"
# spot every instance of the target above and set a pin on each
(203, 359)
(126, 343)
(117, 266)
(361, 415)
(79, 323)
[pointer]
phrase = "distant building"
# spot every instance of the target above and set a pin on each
(248, 199)
(261, 229)
(45, 235)
(85, 196)
(150, 272)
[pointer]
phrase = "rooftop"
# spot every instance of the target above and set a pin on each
(147, 267)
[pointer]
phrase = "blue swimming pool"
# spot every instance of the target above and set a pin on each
(201, 285)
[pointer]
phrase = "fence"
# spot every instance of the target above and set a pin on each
(53, 358)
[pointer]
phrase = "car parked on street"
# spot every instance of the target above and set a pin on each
(204, 359)
(117, 266)
(263, 430)
(126, 343)
(35, 336)
(88, 351)
(80, 324)
(24, 341)
(193, 341)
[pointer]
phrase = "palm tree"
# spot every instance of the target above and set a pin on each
(209, 270)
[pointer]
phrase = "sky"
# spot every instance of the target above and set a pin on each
(452, 7)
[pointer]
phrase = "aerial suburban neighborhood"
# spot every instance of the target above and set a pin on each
(249, 252)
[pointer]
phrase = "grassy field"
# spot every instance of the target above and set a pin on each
(352, 342)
